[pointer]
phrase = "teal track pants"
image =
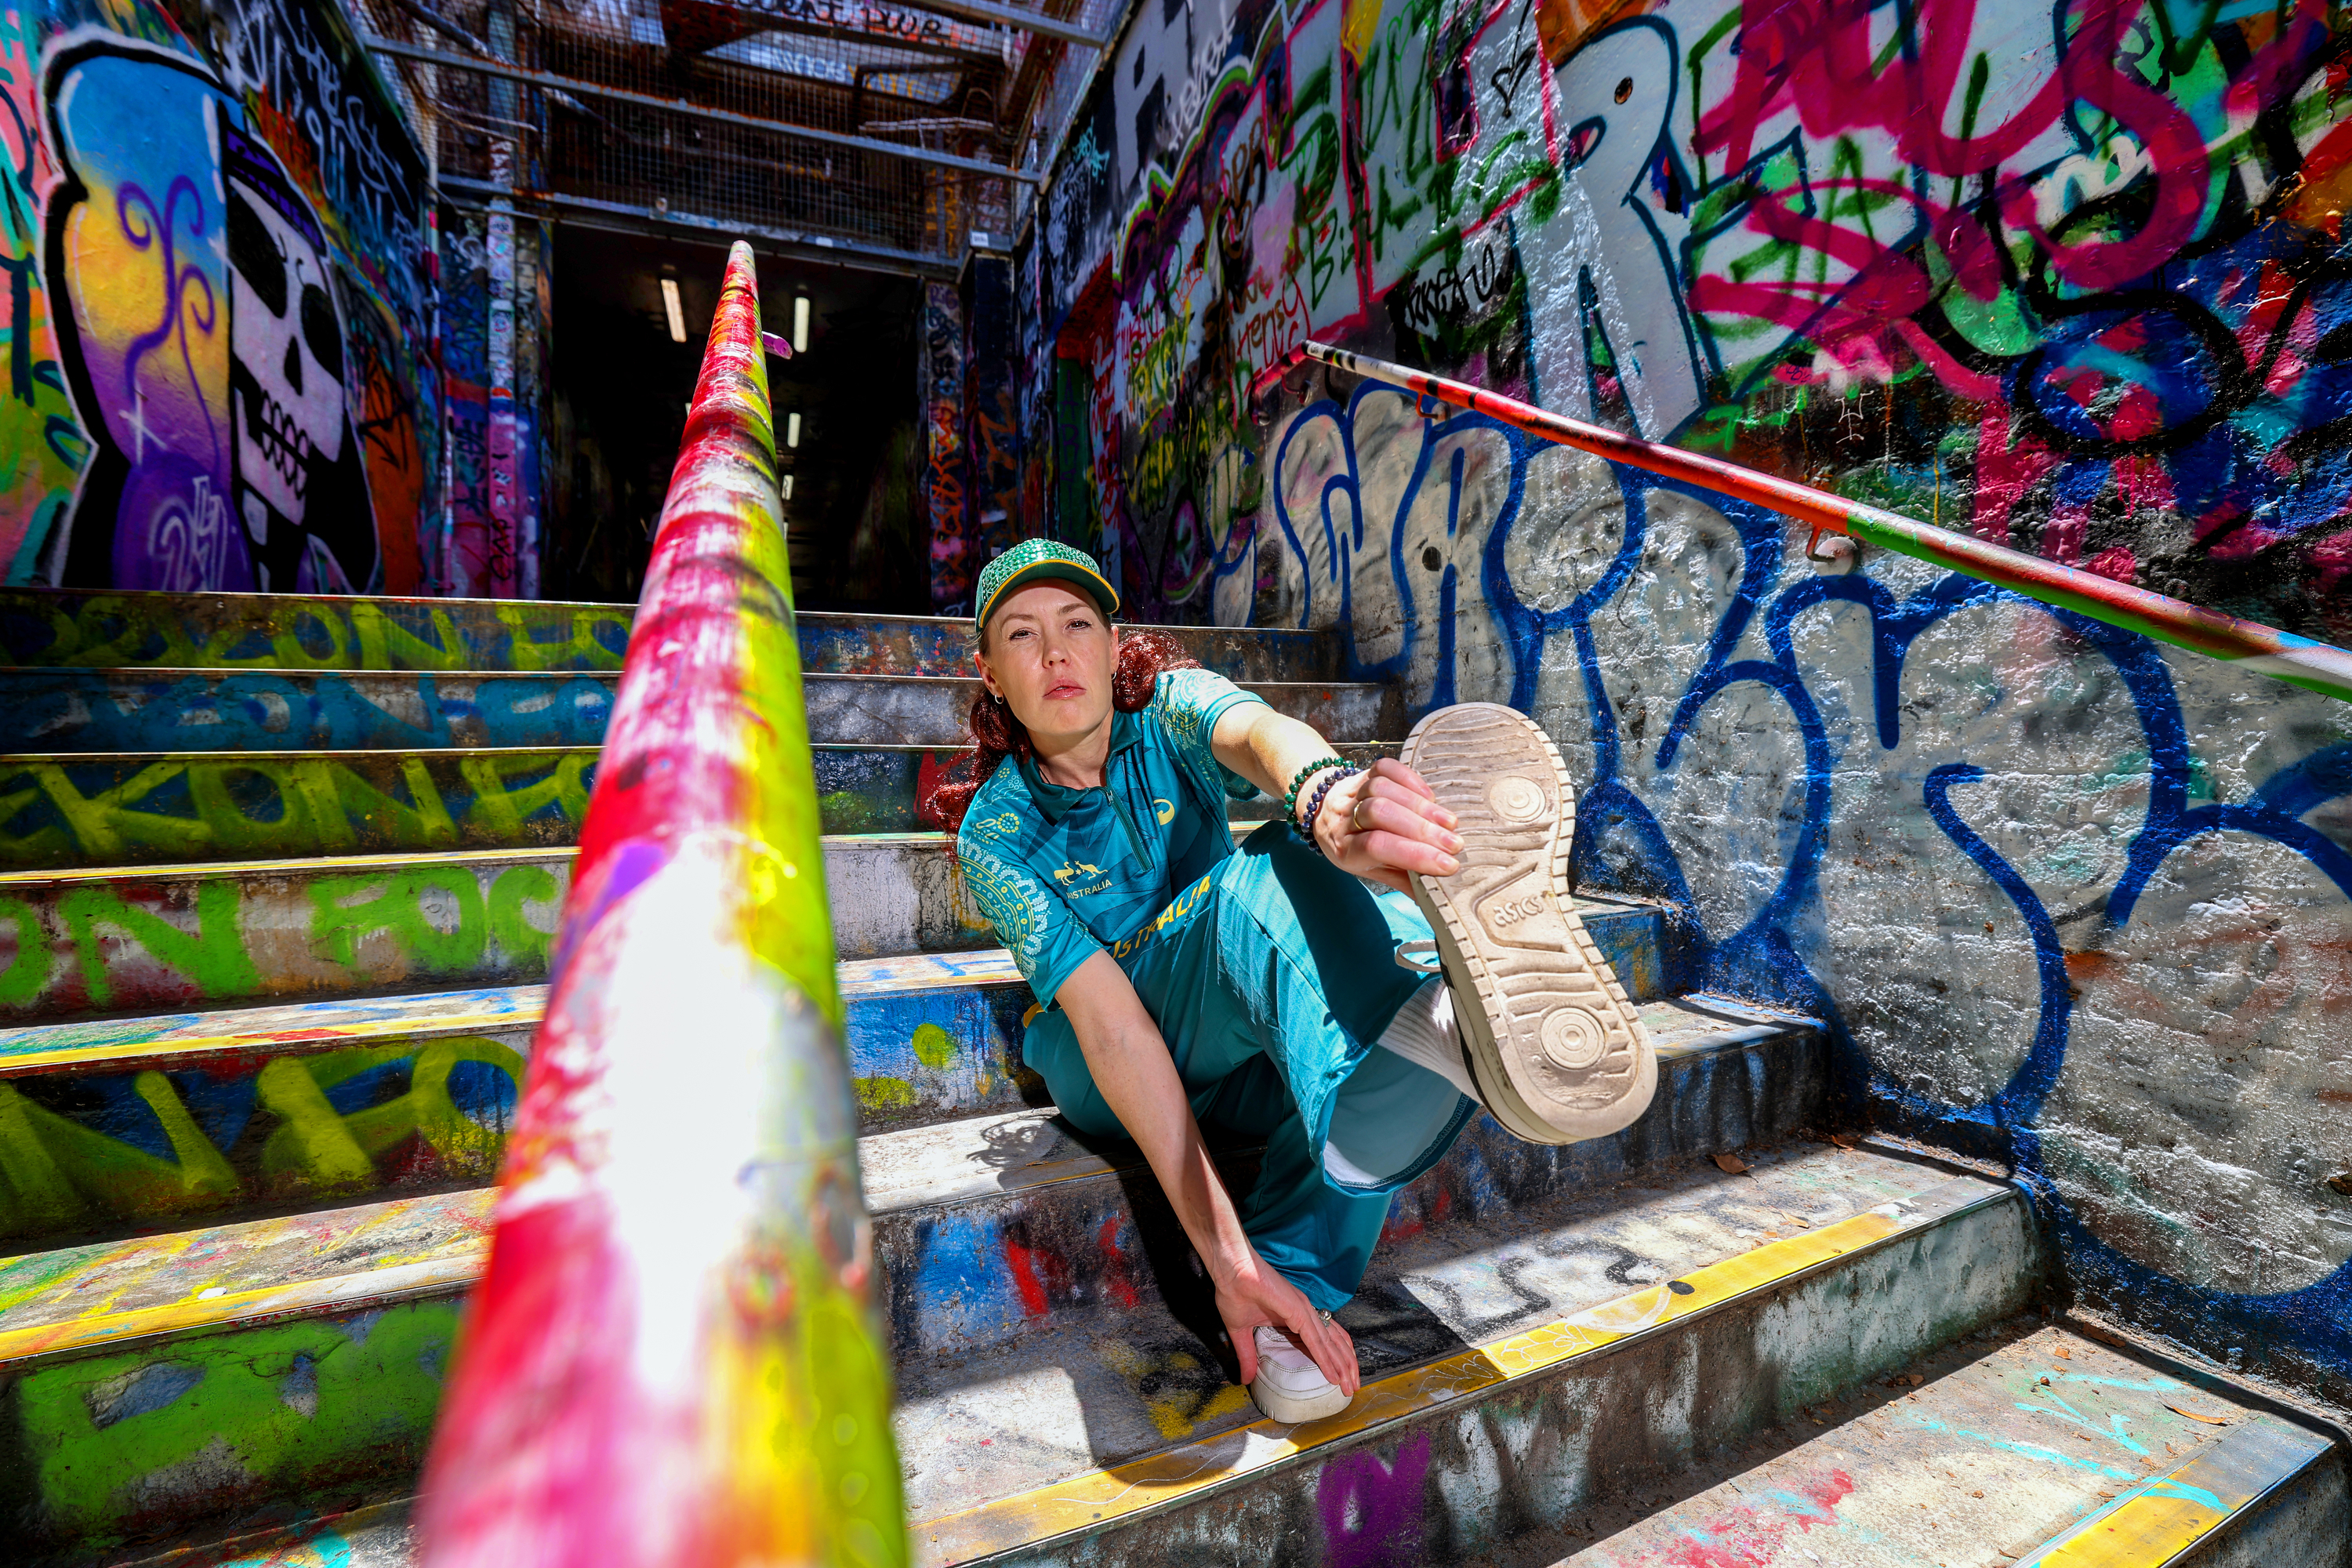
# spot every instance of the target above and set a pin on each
(1271, 979)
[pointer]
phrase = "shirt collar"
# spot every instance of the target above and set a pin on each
(1056, 800)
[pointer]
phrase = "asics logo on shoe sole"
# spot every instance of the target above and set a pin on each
(1518, 909)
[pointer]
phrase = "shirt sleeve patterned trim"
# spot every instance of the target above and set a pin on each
(1189, 704)
(1014, 904)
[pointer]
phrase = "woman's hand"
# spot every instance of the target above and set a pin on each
(1251, 1293)
(1385, 822)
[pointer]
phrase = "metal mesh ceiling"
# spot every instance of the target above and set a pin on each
(870, 125)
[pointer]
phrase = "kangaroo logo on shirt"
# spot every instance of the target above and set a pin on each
(1072, 870)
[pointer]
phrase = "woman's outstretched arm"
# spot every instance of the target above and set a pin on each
(1131, 1065)
(1379, 824)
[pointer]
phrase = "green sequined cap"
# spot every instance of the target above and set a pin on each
(1034, 560)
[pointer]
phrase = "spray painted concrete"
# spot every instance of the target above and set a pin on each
(146, 808)
(989, 1230)
(253, 710)
(93, 630)
(1506, 1437)
(2065, 900)
(258, 1362)
(929, 710)
(2043, 1447)
(77, 939)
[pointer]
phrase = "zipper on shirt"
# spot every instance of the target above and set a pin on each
(1119, 809)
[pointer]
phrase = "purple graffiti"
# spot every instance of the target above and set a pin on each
(1371, 1511)
(135, 210)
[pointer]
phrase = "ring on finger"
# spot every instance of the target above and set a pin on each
(1356, 816)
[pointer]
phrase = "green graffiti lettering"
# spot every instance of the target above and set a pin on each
(56, 1170)
(510, 929)
(574, 648)
(394, 901)
(294, 653)
(385, 644)
(427, 1110)
(27, 974)
(425, 823)
(502, 812)
(213, 956)
(307, 1401)
(312, 1142)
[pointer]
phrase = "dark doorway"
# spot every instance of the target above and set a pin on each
(621, 381)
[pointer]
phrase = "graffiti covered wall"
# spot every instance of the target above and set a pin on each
(218, 303)
(2070, 279)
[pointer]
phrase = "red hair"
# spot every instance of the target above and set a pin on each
(996, 734)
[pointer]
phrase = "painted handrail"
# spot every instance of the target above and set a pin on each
(675, 1356)
(2265, 651)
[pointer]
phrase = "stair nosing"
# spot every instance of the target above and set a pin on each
(1151, 1483)
(1012, 1181)
(216, 671)
(98, 1334)
(312, 754)
(195, 870)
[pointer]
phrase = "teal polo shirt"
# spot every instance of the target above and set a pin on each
(1064, 874)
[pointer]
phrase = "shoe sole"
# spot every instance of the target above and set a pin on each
(1557, 1052)
(1292, 1410)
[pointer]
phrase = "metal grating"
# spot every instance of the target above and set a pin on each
(871, 126)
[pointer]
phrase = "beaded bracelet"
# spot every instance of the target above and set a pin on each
(1315, 804)
(1290, 795)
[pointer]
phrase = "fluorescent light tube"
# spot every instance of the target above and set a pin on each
(793, 428)
(671, 307)
(800, 324)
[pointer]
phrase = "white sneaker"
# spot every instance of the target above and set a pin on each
(1557, 1051)
(1289, 1386)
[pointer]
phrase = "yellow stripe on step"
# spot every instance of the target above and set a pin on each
(341, 1292)
(300, 866)
(1087, 1500)
(2167, 1514)
(419, 1026)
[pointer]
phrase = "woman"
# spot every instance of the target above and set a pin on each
(1267, 988)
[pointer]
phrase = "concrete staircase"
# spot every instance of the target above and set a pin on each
(282, 877)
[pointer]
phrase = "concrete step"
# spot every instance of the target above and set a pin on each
(910, 644)
(108, 1124)
(132, 1362)
(115, 810)
(237, 931)
(102, 628)
(144, 937)
(99, 629)
(341, 1534)
(1589, 1351)
(995, 1229)
(150, 1384)
(69, 710)
(2035, 1444)
(108, 1127)
(930, 711)
(882, 789)
(897, 893)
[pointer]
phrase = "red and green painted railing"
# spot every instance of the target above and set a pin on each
(2320, 667)
(674, 1357)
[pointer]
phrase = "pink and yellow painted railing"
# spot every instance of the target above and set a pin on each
(675, 1358)
(2265, 651)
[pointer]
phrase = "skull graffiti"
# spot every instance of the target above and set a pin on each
(288, 399)
(289, 348)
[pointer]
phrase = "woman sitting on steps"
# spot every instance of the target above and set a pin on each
(1267, 988)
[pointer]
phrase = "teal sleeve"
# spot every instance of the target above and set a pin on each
(1046, 938)
(1188, 703)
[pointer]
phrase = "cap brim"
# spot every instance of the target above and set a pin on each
(1091, 584)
